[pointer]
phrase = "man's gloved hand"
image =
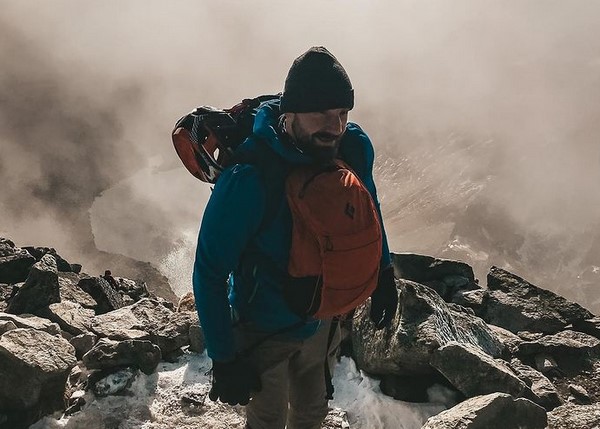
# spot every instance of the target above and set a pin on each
(384, 300)
(233, 382)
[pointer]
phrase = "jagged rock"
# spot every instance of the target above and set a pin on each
(485, 374)
(193, 396)
(70, 291)
(474, 299)
(6, 325)
(114, 383)
(174, 334)
(39, 252)
(572, 416)
(83, 343)
(589, 326)
(530, 336)
(135, 289)
(30, 321)
(34, 367)
(104, 294)
(511, 341)
(197, 342)
(187, 303)
(517, 305)
(127, 300)
(107, 353)
(545, 392)
(14, 262)
(137, 321)
(493, 411)
(545, 363)
(336, 419)
(75, 403)
(580, 395)
(6, 293)
(565, 343)
(423, 323)
(70, 316)
(444, 276)
(40, 289)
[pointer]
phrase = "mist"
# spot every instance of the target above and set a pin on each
(483, 115)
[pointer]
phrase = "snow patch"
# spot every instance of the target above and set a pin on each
(176, 397)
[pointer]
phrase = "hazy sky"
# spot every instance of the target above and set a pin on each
(89, 92)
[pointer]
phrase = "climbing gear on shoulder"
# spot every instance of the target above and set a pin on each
(206, 138)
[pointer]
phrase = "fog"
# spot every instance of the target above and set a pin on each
(488, 105)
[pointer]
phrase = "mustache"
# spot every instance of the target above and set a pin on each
(326, 136)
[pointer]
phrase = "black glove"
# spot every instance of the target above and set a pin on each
(384, 300)
(233, 382)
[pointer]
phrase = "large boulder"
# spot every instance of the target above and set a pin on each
(39, 252)
(40, 289)
(485, 374)
(493, 411)
(574, 416)
(517, 305)
(70, 290)
(34, 367)
(14, 262)
(545, 393)
(446, 277)
(146, 316)
(147, 319)
(423, 323)
(29, 321)
(104, 294)
(71, 317)
(175, 333)
(107, 353)
(563, 344)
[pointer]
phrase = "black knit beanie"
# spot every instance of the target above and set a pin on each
(316, 81)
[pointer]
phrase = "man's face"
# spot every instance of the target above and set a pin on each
(318, 134)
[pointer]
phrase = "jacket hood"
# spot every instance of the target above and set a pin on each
(266, 126)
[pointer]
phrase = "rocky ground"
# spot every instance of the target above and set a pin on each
(508, 355)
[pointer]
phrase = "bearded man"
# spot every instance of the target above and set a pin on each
(265, 355)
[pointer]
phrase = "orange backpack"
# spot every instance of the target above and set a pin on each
(336, 241)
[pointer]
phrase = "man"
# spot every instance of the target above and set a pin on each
(110, 279)
(264, 355)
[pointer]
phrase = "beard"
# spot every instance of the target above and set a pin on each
(322, 147)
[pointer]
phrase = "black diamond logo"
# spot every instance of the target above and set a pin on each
(350, 210)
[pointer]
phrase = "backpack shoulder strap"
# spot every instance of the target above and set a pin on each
(272, 168)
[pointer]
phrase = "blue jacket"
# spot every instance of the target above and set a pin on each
(233, 223)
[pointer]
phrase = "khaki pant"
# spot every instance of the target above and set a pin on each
(293, 380)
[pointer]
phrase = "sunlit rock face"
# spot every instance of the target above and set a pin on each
(423, 323)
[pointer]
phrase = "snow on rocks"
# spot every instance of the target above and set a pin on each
(118, 329)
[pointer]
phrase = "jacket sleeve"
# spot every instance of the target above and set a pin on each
(231, 219)
(359, 153)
